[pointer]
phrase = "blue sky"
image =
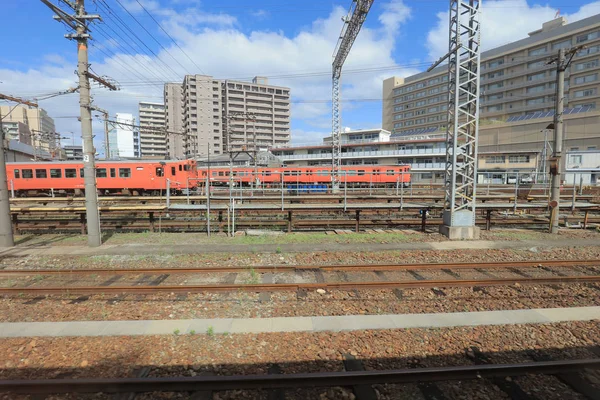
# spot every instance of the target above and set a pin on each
(290, 42)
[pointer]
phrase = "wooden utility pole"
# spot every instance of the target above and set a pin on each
(6, 233)
(79, 23)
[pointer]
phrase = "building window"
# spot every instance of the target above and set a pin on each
(561, 45)
(518, 159)
(495, 97)
(433, 81)
(495, 85)
(538, 51)
(538, 100)
(586, 79)
(587, 36)
(495, 63)
(586, 65)
(575, 159)
(420, 103)
(495, 74)
(536, 77)
(536, 64)
(495, 108)
(495, 160)
(588, 51)
(535, 89)
(585, 93)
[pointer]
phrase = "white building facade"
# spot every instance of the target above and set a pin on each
(124, 138)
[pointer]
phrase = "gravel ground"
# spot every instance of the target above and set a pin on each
(192, 355)
(286, 304)
(395, 236)
(311, 258)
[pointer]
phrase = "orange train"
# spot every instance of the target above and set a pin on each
(150, 177)
(112, 177)
(356, 175)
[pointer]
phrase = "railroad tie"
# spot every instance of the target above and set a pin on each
(416, 275)
(111, 280)
(572, 379)
(35, 300)
(429, 390)
(138, 373)
(265, 297)
(451, 273)
(519, 272)
(275, 394)
(510, 387)
(362, 392)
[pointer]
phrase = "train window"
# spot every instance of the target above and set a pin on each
(215, 173)
(361, 172)
(221, 173)
(55, 173)
(186, 167)
(287, 173)
(159, 171)
(173, 171)
(351, 172)
(100, 173)
(267, 173)
(390, 172)
(113, 173)
(180, 168)
(375, 172)
(17, 174)
(124, 172)
(70, 173)
(203, 172)
(81, 173)
(27, 173)
(41, 173)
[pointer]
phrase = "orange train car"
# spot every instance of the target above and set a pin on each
(356, 175)
(112, 177)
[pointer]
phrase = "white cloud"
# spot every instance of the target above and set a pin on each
(220, 48)
(502, 22)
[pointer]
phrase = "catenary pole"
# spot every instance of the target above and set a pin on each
(563, 61)
(6, 233)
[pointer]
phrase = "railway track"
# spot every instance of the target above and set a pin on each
(300, 380)
(567, 272)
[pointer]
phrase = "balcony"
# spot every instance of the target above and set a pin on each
(359, 154)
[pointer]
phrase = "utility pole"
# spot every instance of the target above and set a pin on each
(79, 23)
(6, 233)
(563, 61)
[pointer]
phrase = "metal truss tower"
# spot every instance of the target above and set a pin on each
(353, 21)
(463, 118)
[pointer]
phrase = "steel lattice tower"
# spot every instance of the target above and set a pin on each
(352, 24)
(463, 113)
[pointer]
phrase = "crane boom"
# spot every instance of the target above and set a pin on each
(353, 21)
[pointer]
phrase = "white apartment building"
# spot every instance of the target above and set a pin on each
(124, 138)
(153, 138)
(215, 115)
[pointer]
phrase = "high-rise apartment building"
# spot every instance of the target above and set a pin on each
(270, 107)
(153, 139)
(124, 137)
(173, 96)
(517, 81)
(40, 124)
(216, 114)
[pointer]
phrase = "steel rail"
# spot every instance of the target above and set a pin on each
(321, 379)
(277, 287)
(293, 268)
